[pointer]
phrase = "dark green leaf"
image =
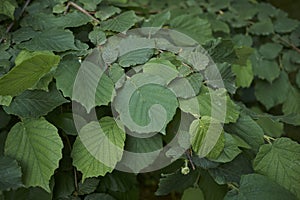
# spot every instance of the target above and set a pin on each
(10, 173)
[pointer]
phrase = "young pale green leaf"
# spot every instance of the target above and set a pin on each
(192, 194)
(27, 72)
(270, 50)
(280, 162)
(262, 28)
(291, 104)
(269, 97)
(98, 148)
(8, 8)
(35, 143)
(244, 74)
(120, 23)
(203, 143)
(176, 181)
(248, 130)
(35, 103)
(144, 104)
(10, 173)
(139, 56)
(50, 40)
(5, 100)
(258, 187)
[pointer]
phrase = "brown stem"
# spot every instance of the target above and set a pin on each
(290, 44)
(13, 23)
(70, 3)
(188, 155)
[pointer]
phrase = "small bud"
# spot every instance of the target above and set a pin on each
(185, 170)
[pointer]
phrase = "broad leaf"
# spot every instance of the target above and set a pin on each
(37, 145)
(30, 67)
(106, 12)
(270, 50)
(8, 8)
(10, 173)
(98, 148)
(192, 194)
(139, 56)
(292, 105)
(280, 162)
(255, 186)
(35, 103)
(262, 28)
(244, 74)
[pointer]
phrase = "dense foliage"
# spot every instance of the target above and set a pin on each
(255, 47)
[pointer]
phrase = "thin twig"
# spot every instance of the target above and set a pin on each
(290, 44)
(13, 23)
(70, 3)
(190, 158)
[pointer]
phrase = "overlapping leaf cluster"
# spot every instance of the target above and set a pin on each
(256, 50)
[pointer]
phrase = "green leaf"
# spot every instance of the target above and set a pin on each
(255, 186)
(191, 26)
(298, 79)
(211, 103)
(269, 97)
(106, 12)
(144, 104)
(27, 71)
(88, 186)
(35, 103)
(248, 130)
(119, 181)
(98, 148)
(135, 57)
(290, 60)
(192, 194)
(90, 91)
(270, 50)
(10, 173)
(244, 74)
(37, 145)
(97, 36)
(32, 193)
(155, 22)
(5, 100)
(262, 28)
(120, 23)
(160, 67)
(5, 118)
(8, 8)
(241, 40)
(265, 69)
(231, 172)
(64, 184)
(96, 196)
(280, 162)
(291, 104)
(44, 82)
(203, 143)
(176, 181)
(52, 40)
(90, 5)
(285, 25)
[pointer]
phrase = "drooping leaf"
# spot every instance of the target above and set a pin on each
(120, 23)
(35, 103)
(51, 40)
(269, 97)
(98, 148)
(30, 67)
(207, 137)
(248, 130)
(10, 173)
(255, 186)
(280, 162)
(176, 181)
(35, 143)
(144, 104)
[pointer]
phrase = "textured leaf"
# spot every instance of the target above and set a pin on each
(270, 50)
(98, 148)
(192, 194)
(192, 26)
(97, 36)
(243, 74)
(90, 5)
(247, 129)
(292, 105)
(155, 22)
(176, 181)
(207, 137)
(262, 28)
(37, 145)
(120, 23)
(139, 56)
(255, 186)
(106, 12)
(144, 104)
(280, 162)
(88, 186)
(119, 181)
(5, 100)
(10, 173)
(285, 25)
(52, 40)
(27, 71)
(8, 8)
(269, 97)
(291, 60)
(35, 103)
